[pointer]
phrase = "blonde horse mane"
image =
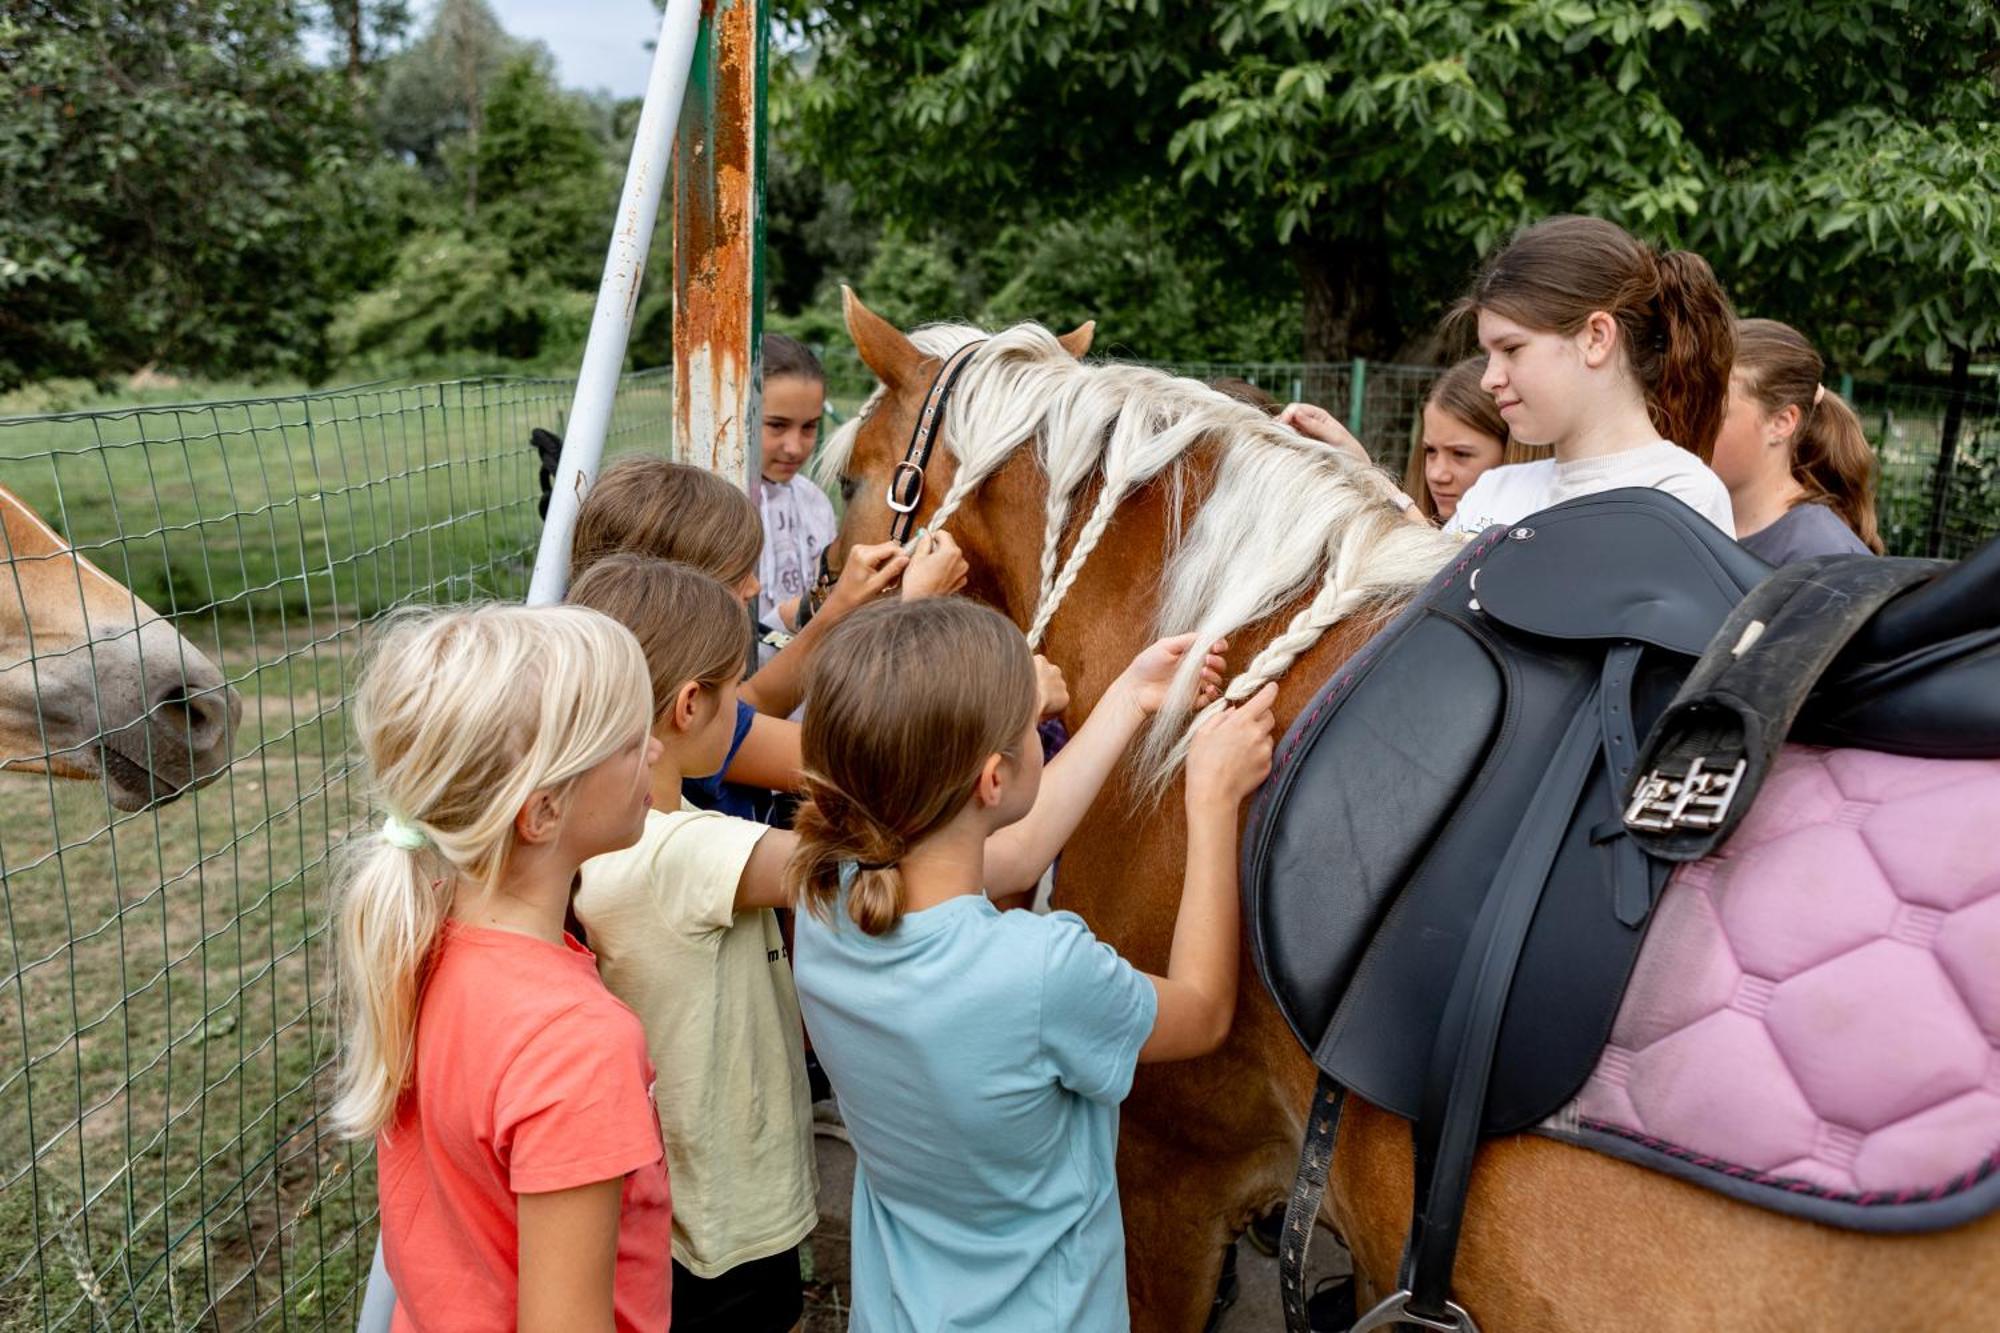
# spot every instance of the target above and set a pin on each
(1285, 514)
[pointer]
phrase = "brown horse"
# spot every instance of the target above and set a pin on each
(94, 684)
(1556, 1237)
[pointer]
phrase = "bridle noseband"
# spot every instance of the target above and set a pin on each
(906, 483)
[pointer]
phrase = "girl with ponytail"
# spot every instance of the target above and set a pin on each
(1800, 472)
(979, 1055)
(1615, 355)
(521, 1173)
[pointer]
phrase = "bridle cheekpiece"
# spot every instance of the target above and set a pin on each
(906, 483)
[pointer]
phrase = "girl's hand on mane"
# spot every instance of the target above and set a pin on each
(1152, 672)
(937, 568)
(868, 570)
(1231, 754)
(1316, 423)
(1051, 690)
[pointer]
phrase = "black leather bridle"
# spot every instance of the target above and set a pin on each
(906, 483)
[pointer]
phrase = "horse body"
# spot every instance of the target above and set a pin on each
(94, 684)
(1556, 1237)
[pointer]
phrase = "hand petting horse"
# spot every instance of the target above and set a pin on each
(1101, 506)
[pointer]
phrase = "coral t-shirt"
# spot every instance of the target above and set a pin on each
(530, 1078)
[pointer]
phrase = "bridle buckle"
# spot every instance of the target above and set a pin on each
(915, 473)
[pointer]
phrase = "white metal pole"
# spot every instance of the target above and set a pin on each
(617, 296)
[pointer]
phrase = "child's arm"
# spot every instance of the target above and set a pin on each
(1017, 855)
(763, 880)
(778, 687)
(1231, 755)
(769, 755)
(935, 569)
(567, 1254)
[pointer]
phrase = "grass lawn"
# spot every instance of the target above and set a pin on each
(166, 1018)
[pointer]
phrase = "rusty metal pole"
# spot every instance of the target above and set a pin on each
(719, 244)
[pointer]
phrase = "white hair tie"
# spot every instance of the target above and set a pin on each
(1819, 392)
(397, 833)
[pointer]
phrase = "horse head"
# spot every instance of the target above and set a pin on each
(996, 517)
(94, 684)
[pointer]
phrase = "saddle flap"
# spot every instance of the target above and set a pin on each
(1658, 573)
(1354, 807)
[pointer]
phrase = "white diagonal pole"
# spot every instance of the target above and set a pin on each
(617, 296)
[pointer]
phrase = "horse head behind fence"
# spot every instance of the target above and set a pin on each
(93, 683)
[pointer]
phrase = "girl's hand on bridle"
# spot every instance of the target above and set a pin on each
(1052, 691)
(869, 570)
(937, 568)
(1316, 423)
(1152, 672)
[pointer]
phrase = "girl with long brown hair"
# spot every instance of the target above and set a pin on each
(980, 1056)
(684, 932)
(1614, 354)
(1800, 472)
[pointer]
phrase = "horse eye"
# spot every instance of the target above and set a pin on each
(848, 485)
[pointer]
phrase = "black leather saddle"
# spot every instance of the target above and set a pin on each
(1443, 892)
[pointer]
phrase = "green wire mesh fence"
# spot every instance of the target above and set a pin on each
(1934, 500)
(166, 1010)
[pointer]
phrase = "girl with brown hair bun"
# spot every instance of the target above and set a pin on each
(1464, 437)
(980, 1056)
(1615, 355)
(1800, 472)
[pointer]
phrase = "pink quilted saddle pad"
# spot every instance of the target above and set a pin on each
(1814, 1021)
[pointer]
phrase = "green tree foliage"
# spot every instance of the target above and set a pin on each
(363, 29)
(168, 171)
(433, 91)
(516, 280)
(1835, 160)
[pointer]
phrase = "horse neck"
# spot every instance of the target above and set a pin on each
(1111, 612)
(1000, 529)
(56, 590)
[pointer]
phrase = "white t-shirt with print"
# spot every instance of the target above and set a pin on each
(798, 525)
(1509, 494)
(713, 988)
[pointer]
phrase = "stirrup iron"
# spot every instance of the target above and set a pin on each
(1395, 1312)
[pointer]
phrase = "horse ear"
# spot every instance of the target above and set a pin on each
(1077, 341)
(883, 347)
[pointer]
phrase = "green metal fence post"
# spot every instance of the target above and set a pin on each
(1847, 387)
(1947, 458)
(1357, 391)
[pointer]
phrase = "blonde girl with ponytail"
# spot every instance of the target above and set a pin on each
(522, 1179)
(980, 1055)
(1800, 472)
(1614, 355)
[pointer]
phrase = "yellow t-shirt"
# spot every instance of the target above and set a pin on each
(714, 989)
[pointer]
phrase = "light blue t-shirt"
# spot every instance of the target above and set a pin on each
(979, 1057)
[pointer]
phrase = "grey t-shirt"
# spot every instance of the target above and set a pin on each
(1806, 530)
